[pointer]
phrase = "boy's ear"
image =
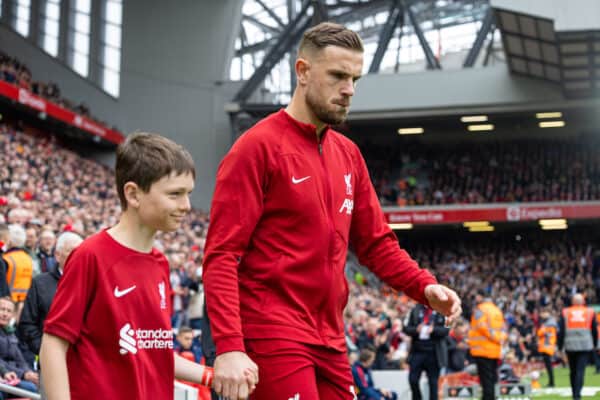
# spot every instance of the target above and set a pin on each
(132, 194)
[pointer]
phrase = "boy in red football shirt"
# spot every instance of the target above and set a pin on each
(108, 333)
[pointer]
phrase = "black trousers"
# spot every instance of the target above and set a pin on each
(549, 369)
(487, 369)
(420, 361)
(577, 362)
(596, 355)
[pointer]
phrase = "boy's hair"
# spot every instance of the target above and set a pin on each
(145, 158)
(329, 34)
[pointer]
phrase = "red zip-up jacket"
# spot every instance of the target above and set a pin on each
(285, 208)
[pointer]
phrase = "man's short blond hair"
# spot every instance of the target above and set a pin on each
(329, 34)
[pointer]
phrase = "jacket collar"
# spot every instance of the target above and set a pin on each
(307, 130)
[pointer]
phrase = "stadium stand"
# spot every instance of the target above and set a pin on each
(13, 71)
(530, 170)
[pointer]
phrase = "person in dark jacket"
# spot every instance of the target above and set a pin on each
(41, 293)
(429, 350)
(361, 373)
(458, 348)
(46, 252)
(4, 289)
(11, 358)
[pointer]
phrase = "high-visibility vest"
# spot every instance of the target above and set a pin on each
(547, 337)
(19, 273)
(487, 331)
(578, 328)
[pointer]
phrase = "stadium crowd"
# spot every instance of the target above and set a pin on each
(15, 72)
(523, 275)
(49, 190)
(493, 171)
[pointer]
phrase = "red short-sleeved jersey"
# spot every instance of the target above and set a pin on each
(113, 306)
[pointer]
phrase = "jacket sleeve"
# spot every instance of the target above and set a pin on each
(236, 209)
(376, 245)
(18, 364)
(439, 328)
(560, 340)
(410, 328)
(4, 289)
(29, 328)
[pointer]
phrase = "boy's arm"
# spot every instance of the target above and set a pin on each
(187, 370)
(53, 360)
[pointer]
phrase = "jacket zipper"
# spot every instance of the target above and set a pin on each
(329, 210)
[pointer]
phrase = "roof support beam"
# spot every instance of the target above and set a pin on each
(394, 19)
(486, 27)
(432, 61)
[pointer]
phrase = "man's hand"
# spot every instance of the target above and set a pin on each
(32, 377)
(236, 375)
(445, 301)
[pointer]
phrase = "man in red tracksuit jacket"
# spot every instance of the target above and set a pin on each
(290, 196)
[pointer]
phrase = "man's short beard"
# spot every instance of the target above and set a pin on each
(328, 117)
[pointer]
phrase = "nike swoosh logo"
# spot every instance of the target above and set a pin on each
(121, 293)
(297, 181)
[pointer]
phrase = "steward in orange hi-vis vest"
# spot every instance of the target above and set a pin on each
(546, 342)
(546, 335)
(485, 342)
(486, 334)
(578, 335)
(19, 273)
(578, 328)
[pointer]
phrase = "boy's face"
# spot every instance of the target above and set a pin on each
(167, 202)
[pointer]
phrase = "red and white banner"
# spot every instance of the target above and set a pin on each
(503, 212)
(55, 111)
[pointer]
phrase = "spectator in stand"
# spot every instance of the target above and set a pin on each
(31, 244)
(11, 358)
(19, 270)
(363, 380)
(4, 237)
(458, 348)
(45, 252)
(41, 293)
(184, 342)
(429, 351)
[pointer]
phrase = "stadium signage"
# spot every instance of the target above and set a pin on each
(28, 99)
(508, 212)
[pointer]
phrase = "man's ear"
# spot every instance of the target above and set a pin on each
(302, 70)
